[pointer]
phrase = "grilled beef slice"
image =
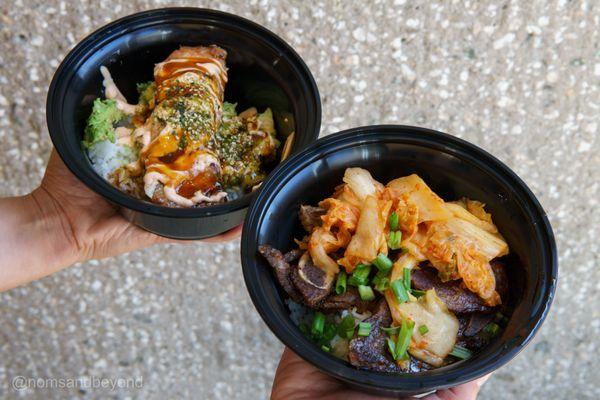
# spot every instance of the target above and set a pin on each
(311, 295)
(370, 352)
(310, 217)
(499, 269)
(292, 255)
(471, 333)
(304, 292)
(339, 302)
(282, 270)
(458, 299)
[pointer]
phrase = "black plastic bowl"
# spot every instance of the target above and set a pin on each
(264, 71)
(453, 168)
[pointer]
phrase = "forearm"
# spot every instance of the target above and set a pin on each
(35, 239)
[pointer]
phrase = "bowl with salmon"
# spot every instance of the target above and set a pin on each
(177, 116)
(399, 260)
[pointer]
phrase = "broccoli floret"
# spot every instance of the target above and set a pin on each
(229, 110)
(101, 123)
(146, 91)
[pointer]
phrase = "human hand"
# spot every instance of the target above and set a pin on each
(63, 222)
(296, 379)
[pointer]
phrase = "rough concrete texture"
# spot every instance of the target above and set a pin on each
(519, 78)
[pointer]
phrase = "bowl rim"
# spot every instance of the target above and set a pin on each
(375, 381)
(127, 24)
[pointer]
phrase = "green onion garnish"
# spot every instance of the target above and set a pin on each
(394, 239)
(393, 221)
(318, 324)
(460, 352)
(383, 264)
(329, 331)
(391, 346)
(304, 328)
(346, 327)
(364, 329)
(400, 291)
(352, 281)
(325, 348)
(403, 340)
(366, 293)
(501, 318)
(392, 330)
(360, 275)
(340, 284)
(406, 276)
(492, 328)
(423, 329)
(417, 293)
(382, 283)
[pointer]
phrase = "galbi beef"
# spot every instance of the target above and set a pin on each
(457, 298)
(370, 352)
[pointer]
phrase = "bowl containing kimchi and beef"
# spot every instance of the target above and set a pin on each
(178, 115)
(399, 259)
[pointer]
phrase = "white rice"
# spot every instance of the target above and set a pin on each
(106, 157)
(298, 312)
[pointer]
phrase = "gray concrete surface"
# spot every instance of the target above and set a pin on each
(519, 78)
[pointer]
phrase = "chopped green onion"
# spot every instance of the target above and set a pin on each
(325, 348)
(360, 275)
(352, 281)
(382, 283)
(364, 329)
(501, 318)
(346, 327)
(406, 276)
(304, 329)
(318, 324)
(391, 346)
(403, 340)
(394, 239)
(418, 293)
(383, 264)
(393, 221)
(329, 331)
(392, 330)
(340, 284)
(460, 352)
(492, 328)
(366, 293)
(400, 291)
(423, 329)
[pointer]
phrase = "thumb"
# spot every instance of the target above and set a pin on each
(466, 391)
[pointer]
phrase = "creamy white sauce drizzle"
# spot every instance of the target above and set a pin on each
(142, 135)
(151, 181)
(112, 92)
(199, 197)
(171, 194)
(201, 163)
(214, 68)
(124, 135)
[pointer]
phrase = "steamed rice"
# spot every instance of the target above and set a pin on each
(107, 157)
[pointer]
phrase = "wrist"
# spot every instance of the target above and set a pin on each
(37, 239)
(52, 227)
